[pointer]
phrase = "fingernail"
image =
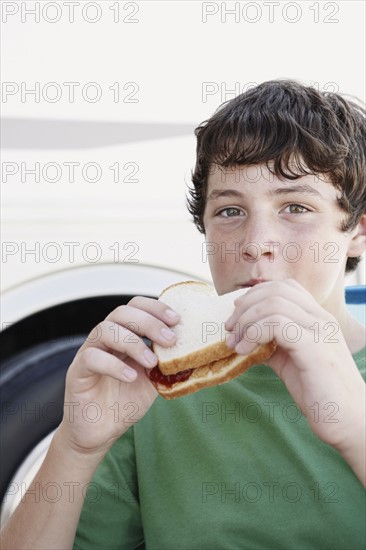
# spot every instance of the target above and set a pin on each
(150, 357)
(171, 314)
(167, 334)
(130, 374)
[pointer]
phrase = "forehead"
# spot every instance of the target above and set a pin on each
(257, 179)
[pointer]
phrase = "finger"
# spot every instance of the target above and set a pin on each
(266, 294)
(157, 308)
(265, 312)
(284, 330)
(143, 323)
(94, 360)
(275, 305)
(114, 338)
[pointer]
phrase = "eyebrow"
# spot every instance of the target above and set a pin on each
(303, 189)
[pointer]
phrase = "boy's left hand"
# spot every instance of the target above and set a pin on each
(312, 357)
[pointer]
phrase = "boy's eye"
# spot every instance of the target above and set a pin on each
(230, 212)
(297, 209)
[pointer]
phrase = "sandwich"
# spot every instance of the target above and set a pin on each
(200, 357)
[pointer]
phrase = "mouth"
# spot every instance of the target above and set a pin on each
(252, 282)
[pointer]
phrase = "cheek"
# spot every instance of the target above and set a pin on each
(217, 253)
(321, 264)
(218, 260)
(323, 250)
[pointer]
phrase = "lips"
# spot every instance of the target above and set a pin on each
(252, 282)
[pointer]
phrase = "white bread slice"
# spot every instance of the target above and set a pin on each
(201, 329)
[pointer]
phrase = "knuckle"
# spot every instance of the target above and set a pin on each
(103, 329)
(95, 333)
(98, 333)
(134, 301)
(88, 356)
(239, 300)
(130, 327)
(141, 302)
(276, 302)
(119, 310)
(128, 337)
(278, 286)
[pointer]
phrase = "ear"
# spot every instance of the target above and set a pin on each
(357, 245)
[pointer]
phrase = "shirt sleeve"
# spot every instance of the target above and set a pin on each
(111, 517)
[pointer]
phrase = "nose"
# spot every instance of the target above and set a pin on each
(259, 241)
(252, 251)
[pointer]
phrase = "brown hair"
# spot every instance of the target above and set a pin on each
(293, 129)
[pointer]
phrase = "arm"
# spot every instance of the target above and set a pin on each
(99, 374)
(51, 522)
(354, 449)
(318, 370)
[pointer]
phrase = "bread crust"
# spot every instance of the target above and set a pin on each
(185, 283)
(217, 372)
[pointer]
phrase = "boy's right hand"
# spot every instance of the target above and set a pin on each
(107, 389)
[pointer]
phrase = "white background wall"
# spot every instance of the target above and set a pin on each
(174, 63)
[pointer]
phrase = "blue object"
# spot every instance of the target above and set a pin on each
(356, 302)
(356, 294)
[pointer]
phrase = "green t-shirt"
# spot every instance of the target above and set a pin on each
(234, 466)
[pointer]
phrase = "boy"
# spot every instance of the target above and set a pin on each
(275, 458)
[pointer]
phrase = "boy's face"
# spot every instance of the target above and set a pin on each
(261, 228)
